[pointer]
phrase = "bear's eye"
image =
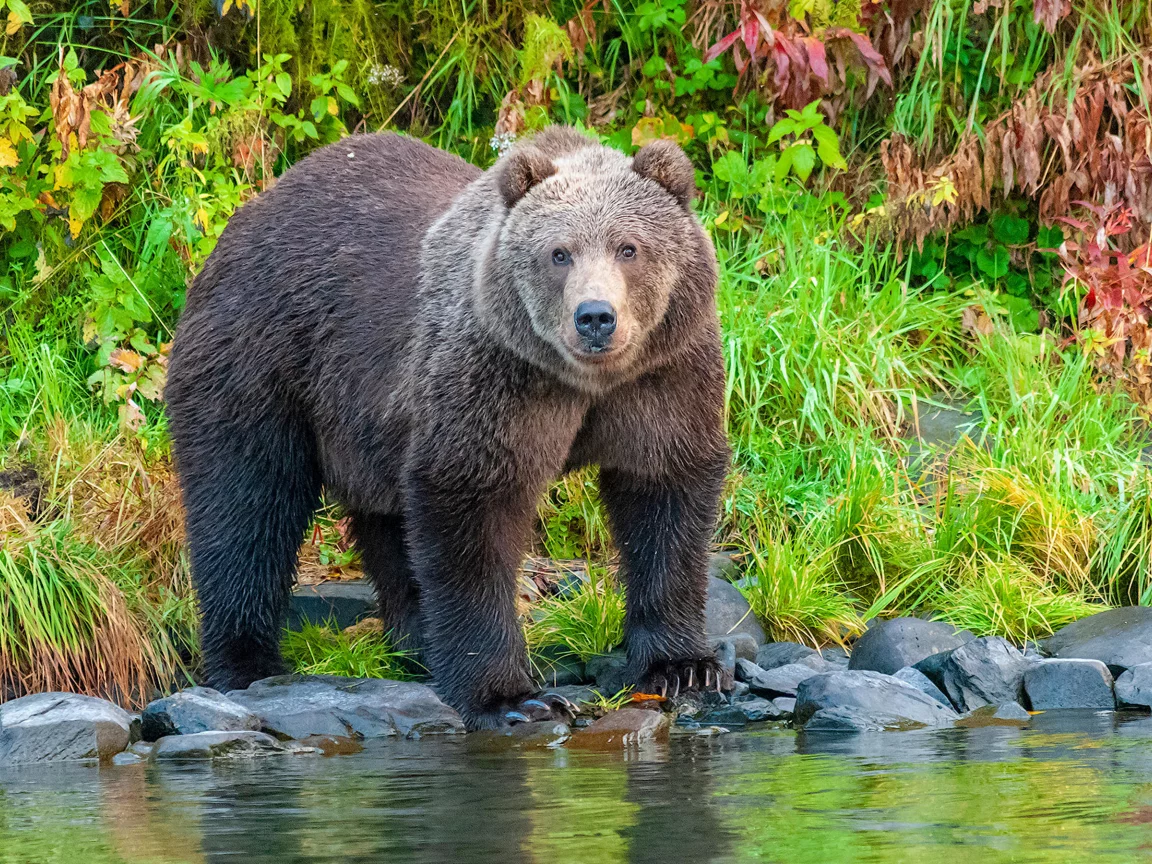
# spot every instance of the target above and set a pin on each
(561, 257)
(627, 251)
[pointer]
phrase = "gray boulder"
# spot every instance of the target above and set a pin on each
(1052, 684)
(607, 671)
(728, 613)
(244, 744)
(888, 646)
(60, 727)
(1008, 714)
(340, 603)
(746, 670)
(871, 692)
(781, 681)
(912, 675)
(835, 655)
(985, 671)
(197, 709)
(782, 653)
(851, 719)
(1134, 687)
(296, 706)
(1120, 638)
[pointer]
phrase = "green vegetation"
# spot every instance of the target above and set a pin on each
(317, 650)
(915, 208)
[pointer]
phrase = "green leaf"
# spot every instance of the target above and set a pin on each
(993, 264)
(828, 146)
(972, 234)
(347, 94)
(284, 83)
(1049, 237)
(1010, 230)
(803, 160)
(782, 128)
(784, 163)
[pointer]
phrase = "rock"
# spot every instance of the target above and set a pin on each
(786, 705)
(721, 565)
(746, 646)
(58, 727)
(296, 706)
(888, 646)
(985, 671)
(340, 603)
(607, 671)
(222, 745)
(141, 748)
(835, 655)
(758, 710)
(1051, 684)
(1134, 687)
(627, 727)
(556, 668)
(933, 667)
(781, 681)
(881, 695)
(197, 709)
(746, 670)
(127, 758)
(913, 676)
(728, 613)
(726, 715)
(782, 653)
(1008, 714)
(1120, 638)
(851, 719)
(725, 650)
(333, 745)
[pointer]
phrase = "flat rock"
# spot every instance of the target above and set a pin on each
(985, 671)
(1052, 684)
(851, 719)
(913, 676)
(1008, 714)
(881, 695)
(296, 706)
(835, 655)
(1134, 687)
(223, 745)
(342, 603)
(728, 613)
(1120, 638)
(888, 646)
(746, 670)
(781, 681)
(782, 653)
(607, 670)
(60, 727)
(626, 727)
(197, 709)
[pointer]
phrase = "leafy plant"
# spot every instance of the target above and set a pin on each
(798, 155)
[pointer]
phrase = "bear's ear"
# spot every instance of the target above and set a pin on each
(665, 162)
(523, 170)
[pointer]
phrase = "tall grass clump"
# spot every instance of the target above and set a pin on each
(325, 650)
(583, 623)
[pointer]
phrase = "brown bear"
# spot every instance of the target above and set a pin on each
(432, 345)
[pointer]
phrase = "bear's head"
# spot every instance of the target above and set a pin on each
(597, 249)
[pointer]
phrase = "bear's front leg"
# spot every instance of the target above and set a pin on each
(662, 527)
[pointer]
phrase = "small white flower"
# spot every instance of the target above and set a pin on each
(502, 142)
(385, 76)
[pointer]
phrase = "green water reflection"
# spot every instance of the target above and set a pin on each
(1073, 788)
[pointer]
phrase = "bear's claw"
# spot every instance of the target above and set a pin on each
(549, 706)
(668, 677)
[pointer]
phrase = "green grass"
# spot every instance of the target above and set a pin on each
(584, 623)
(324, 650)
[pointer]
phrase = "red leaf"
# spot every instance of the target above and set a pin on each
(751, 31)
(721, 46)
(817, 58)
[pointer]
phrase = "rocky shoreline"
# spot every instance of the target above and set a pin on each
(902, 674)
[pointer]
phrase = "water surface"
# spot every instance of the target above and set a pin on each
(1074, 787)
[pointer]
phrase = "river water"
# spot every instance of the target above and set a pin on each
(1073, 787)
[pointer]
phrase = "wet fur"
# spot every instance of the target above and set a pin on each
(364, 327)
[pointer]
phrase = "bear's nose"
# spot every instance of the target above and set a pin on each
(595, 319)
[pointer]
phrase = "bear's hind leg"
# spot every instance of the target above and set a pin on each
(248, 497)
(380, 538)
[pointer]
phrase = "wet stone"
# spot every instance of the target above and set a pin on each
(888, 646)
(851, 719)
(728, 613)
(1052, 684)
(59, 727)
(128, 758)
(835, 655)
(627, 727)
(297, 706)
(545, 735)
(746, 670)
(224, 745)
(1134, 687)
(1008, 714)
(985, 671)
(197, 709)
(1120, 638)
(607, 671)
(870, 693)
(782, 653)
(333, 745)
(781, 681)
(913, 676)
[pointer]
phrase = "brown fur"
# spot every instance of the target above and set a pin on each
(391, 324)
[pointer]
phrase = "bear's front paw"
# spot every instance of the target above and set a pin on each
(549, 706)
(669, 677)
